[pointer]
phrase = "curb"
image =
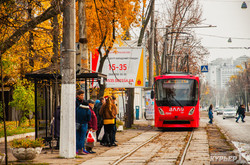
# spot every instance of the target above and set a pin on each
(237, 153)
(10, 138)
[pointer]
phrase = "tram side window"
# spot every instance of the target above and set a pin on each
(196, 90)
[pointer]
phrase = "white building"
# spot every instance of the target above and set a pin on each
(220, 71)
(241, 60)
(224, 74)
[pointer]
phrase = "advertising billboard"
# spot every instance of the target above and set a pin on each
(124, 67)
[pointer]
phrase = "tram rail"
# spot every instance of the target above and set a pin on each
(156, 138)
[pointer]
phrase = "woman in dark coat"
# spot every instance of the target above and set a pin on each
(210, 114)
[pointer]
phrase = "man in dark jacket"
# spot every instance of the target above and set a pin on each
(83, 116)
(97, 108)
(241, 111)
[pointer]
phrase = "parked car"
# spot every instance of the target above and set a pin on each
(229, 113)
(219, 111)
(216, 109)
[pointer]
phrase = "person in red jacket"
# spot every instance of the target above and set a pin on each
(92, 126)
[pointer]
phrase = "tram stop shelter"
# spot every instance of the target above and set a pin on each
(47, 83)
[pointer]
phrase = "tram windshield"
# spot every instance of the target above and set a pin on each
(176, 92)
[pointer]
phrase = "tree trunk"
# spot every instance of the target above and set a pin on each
(55, 33)
(83, 37)
(151, 48)
(144, 24)
(129, 108)
(31, 38)
(4, 114)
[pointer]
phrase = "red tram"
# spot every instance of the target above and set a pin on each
(176, 100)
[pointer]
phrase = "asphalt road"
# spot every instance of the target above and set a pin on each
(236, 131)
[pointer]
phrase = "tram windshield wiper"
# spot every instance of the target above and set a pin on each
(178, 102)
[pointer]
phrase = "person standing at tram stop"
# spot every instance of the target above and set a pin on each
(108, 112)
(241, 111)
(83, 116)
(79, 97)
(92, 126)
(97, 108)
(115, 129)
(210, 114)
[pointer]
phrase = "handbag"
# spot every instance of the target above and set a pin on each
(78, 126)
(90, 137)
(101, 134)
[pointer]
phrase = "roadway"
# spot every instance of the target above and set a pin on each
(236, 131)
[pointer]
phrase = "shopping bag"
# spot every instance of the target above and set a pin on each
(90, 137)
(101, 134)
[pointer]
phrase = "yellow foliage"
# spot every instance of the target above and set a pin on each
(239, 66)
(17, 57)
(99, 14)
(124, 12)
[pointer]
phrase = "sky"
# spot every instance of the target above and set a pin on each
(230, 21)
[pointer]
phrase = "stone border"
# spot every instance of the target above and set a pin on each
(10, 138)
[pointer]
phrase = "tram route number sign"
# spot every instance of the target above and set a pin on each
(204, 68)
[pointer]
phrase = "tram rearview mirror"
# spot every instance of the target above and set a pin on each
(152, 94)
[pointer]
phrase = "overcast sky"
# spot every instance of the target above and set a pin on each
(231, 21)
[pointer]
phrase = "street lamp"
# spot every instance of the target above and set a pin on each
(244, 5)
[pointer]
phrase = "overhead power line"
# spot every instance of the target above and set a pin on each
(227, 47)
(216, 36)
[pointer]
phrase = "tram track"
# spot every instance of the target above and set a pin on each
(134, 150)
(168, 146)
(152, 147)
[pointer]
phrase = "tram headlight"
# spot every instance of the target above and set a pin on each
(161, 111)
(191, 111)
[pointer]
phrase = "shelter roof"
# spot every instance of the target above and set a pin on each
(52, 72)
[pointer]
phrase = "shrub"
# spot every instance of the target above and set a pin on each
(27, 143)
(118, 122)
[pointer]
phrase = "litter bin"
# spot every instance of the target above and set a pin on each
(137, 110)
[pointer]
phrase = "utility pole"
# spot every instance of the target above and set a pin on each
(83, 40)
(68, 89)
(164, 63)
(151, 48)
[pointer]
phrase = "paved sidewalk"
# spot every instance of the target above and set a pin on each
(114, 154)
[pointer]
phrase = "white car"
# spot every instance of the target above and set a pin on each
(229, 113)
(219, 112)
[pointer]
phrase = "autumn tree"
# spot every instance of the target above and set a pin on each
(180, 46)
(107, 23)
(26, 41)
(238, 86)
